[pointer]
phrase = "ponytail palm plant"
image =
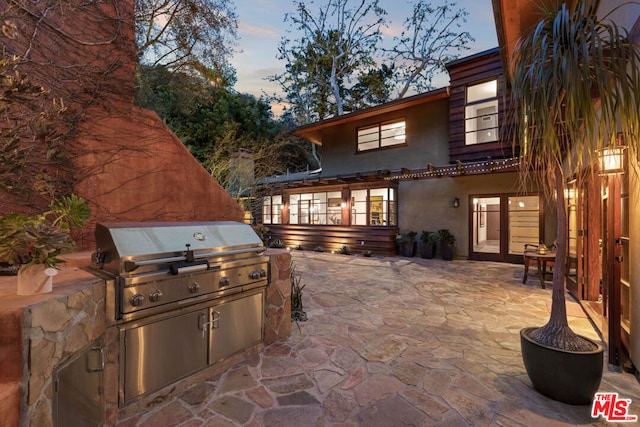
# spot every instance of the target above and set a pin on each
(575, 84)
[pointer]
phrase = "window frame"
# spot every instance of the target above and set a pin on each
(471, 129)
(327, 208)
(379, 140)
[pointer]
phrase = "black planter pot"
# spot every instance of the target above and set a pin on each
(427, 250)
(566, 376)
(407, 249)
(446, 251)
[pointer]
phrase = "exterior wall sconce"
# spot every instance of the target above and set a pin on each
(456, 202)
(611, 160)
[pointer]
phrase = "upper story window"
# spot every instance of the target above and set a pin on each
(381, 135)
(481, 113)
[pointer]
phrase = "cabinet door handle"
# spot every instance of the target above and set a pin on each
(204, 324)
(215, 321)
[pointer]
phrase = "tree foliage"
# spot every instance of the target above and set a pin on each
(31, 149)
(429, 40)
(216, 124)
(239, 162)
(195, 34)
(571, 57)
(337, 62)
(336, 43)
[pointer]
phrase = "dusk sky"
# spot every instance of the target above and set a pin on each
(261, 26)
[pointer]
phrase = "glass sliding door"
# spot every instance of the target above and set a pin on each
(524, 222)
(486, 225)
(500, 226)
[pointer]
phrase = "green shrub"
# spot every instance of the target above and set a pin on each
(344, 250)
(277, 243)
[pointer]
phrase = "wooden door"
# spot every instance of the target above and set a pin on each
(501, 224)
(612, 260)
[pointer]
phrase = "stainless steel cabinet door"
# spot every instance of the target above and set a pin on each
(78, 392)
(161, 352)
(236, 325)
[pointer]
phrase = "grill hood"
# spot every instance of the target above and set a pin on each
(128, 247)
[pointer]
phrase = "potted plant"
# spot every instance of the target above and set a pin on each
(428, 242)
(447, 241)
(406, 243)
(558, 68)
(34, 242)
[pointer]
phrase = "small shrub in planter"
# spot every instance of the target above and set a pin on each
(318, 249)
(447, 241)
(367, 253)
(428, 242)
(406, 243)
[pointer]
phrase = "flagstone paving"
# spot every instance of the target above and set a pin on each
(394, 342)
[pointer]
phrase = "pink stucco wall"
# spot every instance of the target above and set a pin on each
(124, 160)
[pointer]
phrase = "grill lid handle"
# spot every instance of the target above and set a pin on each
(188, 267)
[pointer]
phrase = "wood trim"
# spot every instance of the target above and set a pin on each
(480, 69)
(611, 270)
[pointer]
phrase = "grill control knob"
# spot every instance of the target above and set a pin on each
(155, 295)
(193, 288)
(224, 281)
(137, 300)
(263, 272)
(254, 275)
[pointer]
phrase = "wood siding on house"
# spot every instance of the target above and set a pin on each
(378, 240)
(474, 69)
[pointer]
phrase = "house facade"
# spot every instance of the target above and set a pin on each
(423, 163)
(438, 160)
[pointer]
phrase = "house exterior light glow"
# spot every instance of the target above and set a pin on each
(611, 160)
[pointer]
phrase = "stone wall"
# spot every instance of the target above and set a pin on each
(278, 307)
(57, 329)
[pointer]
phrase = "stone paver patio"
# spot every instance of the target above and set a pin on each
(394, 342)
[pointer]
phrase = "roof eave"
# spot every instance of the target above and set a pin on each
(313, 131)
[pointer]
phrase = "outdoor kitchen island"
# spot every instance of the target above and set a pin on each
(51, 332)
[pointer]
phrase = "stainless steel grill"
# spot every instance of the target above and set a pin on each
(183, 295)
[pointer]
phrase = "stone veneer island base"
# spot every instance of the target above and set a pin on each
(40, 332)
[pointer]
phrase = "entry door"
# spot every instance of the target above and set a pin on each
(584, 261)
(500, 225)
(615, 266)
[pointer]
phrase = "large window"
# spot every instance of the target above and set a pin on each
(316, 208)
(481, 113)
(375, 206)
(272, 210)
(381, 135)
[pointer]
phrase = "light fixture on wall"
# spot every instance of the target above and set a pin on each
(611, 160)
(456, 202)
